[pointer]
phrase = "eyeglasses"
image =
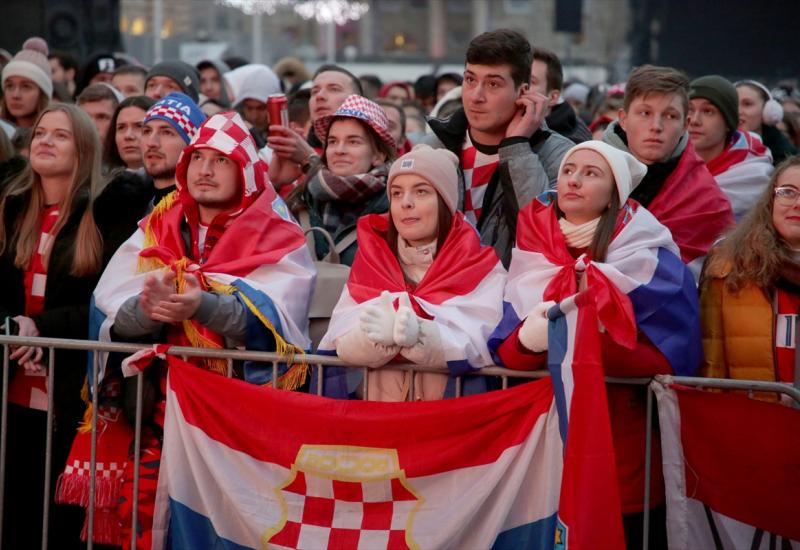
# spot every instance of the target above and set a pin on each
(786, 196)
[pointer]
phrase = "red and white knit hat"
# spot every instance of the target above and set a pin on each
(360, 108)
(31, 63)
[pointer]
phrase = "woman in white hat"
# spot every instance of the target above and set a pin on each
(589, 236)
(27, 84)
(422, 288)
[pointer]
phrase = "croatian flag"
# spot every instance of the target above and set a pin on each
(589, 514)
(461, 292)
(311, 472)
(731, 467)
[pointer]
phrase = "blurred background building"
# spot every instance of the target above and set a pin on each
(596, 39)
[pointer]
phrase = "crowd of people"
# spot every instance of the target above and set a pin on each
(163, 205)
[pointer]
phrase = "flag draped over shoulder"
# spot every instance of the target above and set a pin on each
(461, 291)
(742, 171)
(732, 469)
(256, 252)
(642, 284)
(311, 472)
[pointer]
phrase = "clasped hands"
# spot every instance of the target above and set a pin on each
(383, 325)
(161, 301)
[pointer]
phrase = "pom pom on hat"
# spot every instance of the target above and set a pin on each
(439, 167)
(36, 44)
(627, 171)
(31, 63)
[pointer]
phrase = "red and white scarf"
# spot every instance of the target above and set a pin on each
(27, 389)
(478, 169)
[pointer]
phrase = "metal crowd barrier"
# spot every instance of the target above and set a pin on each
(316, 361)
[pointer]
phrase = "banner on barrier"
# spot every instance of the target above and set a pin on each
(732, 469)
(245, 466)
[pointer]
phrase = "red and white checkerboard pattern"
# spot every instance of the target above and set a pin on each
(356, 106)
(326, 513)
(478, 169)
(111, 470)
(227, 133)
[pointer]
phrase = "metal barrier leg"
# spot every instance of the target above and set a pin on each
(4, 431)
(412, 392)
(93, 459)
(366, 384)
(275, 382)
(458, 386)
(647, 454)
(320, 374)
(137, 451)
(230, 367)
(505, 382)
(48, 453)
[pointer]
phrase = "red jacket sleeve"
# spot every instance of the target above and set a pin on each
(641, 361)
(516, 356)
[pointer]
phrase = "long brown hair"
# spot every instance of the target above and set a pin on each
(88, 245)
(753, 252)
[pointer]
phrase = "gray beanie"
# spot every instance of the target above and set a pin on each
(721, 93)
(182, 73)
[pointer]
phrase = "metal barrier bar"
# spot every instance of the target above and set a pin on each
(3, 430)
(366, 383)
(647, 467)
(93, 459)
(321, 362)
(48, 450)
(728, 384)
(137, 452)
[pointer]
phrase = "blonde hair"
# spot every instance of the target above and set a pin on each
(754, 251)
(88, 246)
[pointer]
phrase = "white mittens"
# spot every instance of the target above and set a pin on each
(406, 323)
(428, 350)
(533, 333)
(377, 320)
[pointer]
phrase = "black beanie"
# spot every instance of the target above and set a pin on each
(721, 93)
(182, 73)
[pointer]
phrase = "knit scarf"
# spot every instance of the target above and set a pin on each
(415, 260)
(578, 235)
(26, 389)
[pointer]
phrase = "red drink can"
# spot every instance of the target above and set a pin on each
(278, 109)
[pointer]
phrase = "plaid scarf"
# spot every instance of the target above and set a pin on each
(343, 197)
(478, 170)
(30, 390)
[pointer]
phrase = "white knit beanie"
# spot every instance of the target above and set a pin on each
(628, 171)
(32, 64)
